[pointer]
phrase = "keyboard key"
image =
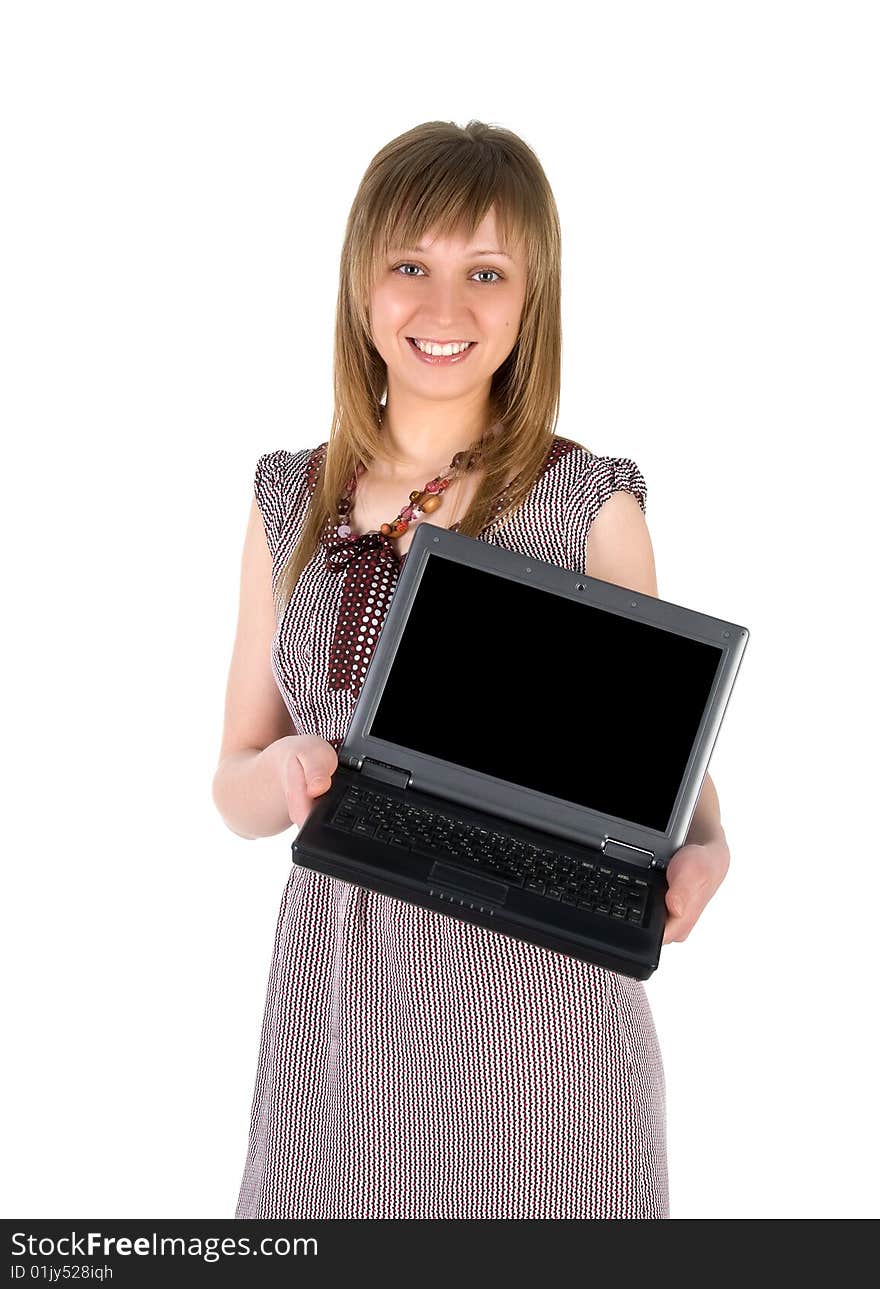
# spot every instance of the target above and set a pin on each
(344, 823)
(509, 875)
(537, 887)
(428, 852)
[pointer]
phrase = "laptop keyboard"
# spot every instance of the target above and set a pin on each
(549, 873)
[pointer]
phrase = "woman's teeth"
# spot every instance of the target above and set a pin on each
(440, 351)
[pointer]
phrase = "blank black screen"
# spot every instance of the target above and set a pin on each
(546, 692)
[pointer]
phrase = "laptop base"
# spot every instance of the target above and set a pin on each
(471, 895)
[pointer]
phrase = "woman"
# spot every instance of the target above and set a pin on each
(412, 1065)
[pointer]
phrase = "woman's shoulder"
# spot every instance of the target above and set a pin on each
(570, 451)
(284, 479)
(282, 462)
(600, 473)
(286, 471)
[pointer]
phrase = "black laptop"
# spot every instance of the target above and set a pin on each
(527, 750)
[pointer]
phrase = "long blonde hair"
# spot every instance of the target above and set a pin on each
(441, 177)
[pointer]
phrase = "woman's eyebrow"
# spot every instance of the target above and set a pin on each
(422, 249)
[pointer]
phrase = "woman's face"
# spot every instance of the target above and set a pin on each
(452, 289)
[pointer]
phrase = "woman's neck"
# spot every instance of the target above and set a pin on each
(424, 446)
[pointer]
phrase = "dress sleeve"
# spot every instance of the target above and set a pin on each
(601, 476)
(281, 489)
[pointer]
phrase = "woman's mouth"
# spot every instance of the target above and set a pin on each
(440, 360)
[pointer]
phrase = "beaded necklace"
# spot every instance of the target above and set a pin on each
(342, 545)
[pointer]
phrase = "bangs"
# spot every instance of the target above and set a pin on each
(451, 199)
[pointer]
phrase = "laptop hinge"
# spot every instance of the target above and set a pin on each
(615, 849)
(386, 773)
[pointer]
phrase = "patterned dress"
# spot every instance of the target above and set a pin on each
(412, 1065)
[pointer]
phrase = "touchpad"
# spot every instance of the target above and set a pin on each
(496, 892)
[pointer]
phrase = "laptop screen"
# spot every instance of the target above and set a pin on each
(547, 693)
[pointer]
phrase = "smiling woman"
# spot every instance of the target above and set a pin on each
(449, 308)
(412, 1065)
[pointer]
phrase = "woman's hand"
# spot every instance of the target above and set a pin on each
(694, 874)
(306, 765)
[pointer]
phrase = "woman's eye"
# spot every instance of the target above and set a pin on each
(408, 265)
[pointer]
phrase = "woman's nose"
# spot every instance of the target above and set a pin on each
(446, 304)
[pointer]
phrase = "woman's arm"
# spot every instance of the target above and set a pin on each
(620, 551)
(247, 792)
(267, 775)
(706, 822)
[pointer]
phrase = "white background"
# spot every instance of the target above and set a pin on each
(176, 182)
